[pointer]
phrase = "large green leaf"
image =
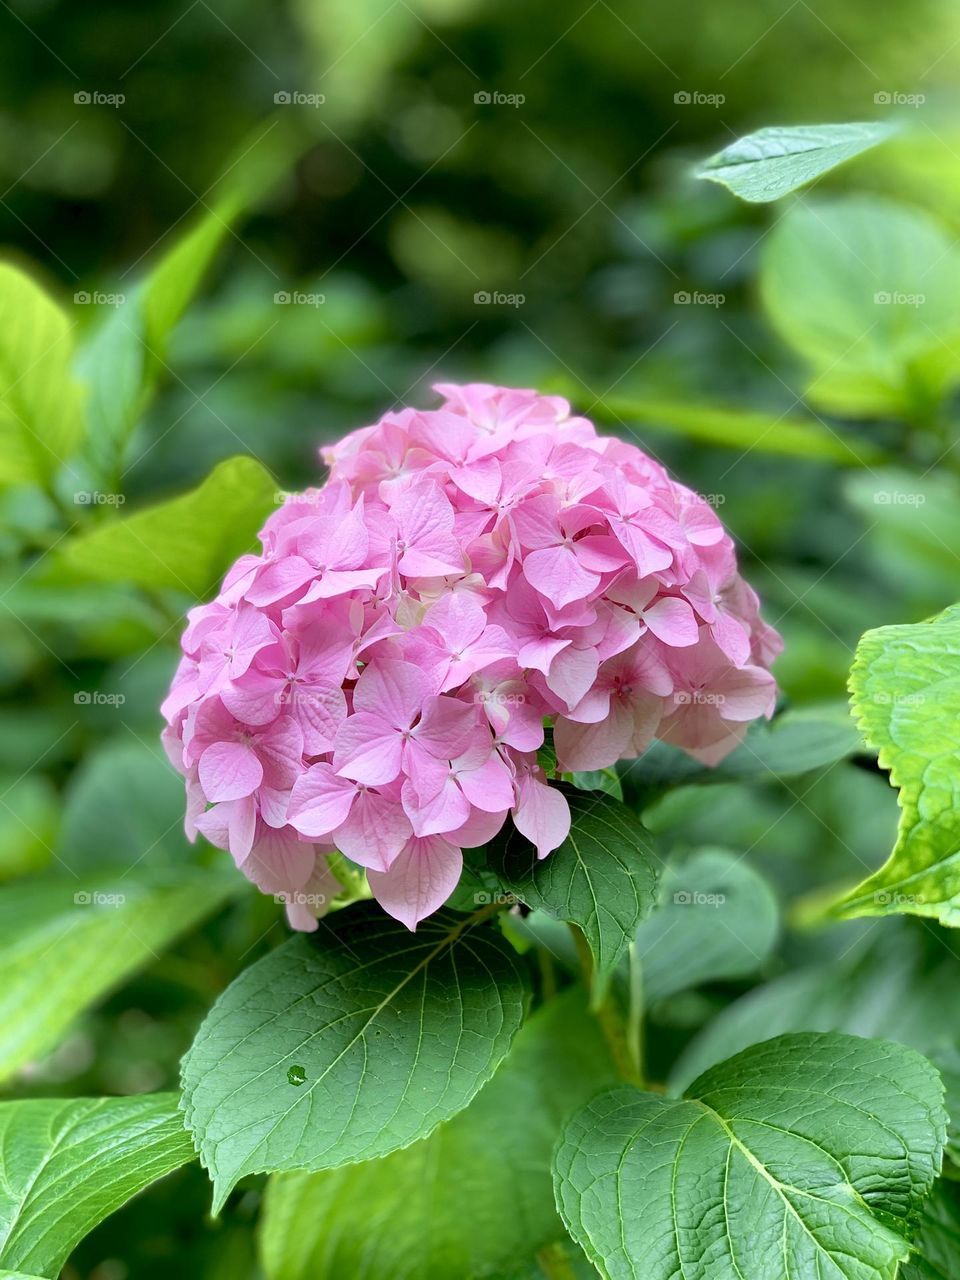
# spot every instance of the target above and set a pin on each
(40, 404)
(186, 542)
(772, 162)
(806, 1156)
(489, 1203)
(905, 687)
(602, 878)
(350, 1044)
(718, 919)
(68, 1164)
(66, 941)
(865, 290)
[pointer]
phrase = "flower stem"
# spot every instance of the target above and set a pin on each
(617, 1030)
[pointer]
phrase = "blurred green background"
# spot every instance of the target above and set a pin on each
(487, 191)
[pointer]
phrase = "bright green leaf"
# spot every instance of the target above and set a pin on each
(40, 404)
(905, 690)
(806, 1156)
(460, 1203)
(772, 162)
(69, 1164)
(65, 942)
(718, 919)
(186, 542)
(349, 1045)
(602, 878)
(865, 290)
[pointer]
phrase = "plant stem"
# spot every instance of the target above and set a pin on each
(608, 1013)
(635, 1023)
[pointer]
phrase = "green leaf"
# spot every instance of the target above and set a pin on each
(718, 919)
(794, 742)
(186, 542)
(40, 404)
(65, 942)
(806, 1156)
(69, 1164)
(865, 290)
(458, 1203)
(770, 163)
(349, 1045)
(937, 1244)
(905, 690)
(745, 430)
(602, 878)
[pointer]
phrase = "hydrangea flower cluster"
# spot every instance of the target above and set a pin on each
(376, 681)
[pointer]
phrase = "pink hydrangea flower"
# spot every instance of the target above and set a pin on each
(377, 680)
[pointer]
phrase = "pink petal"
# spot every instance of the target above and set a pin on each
(420, 880)
(320, 801)
(392, 690)
(672, 621)
(446, 727)
(541, 814)
(557, 574)
(367, 749)
(375, 832)
(278, 861)
(593, 746)
(229, 771)
(446, 810)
